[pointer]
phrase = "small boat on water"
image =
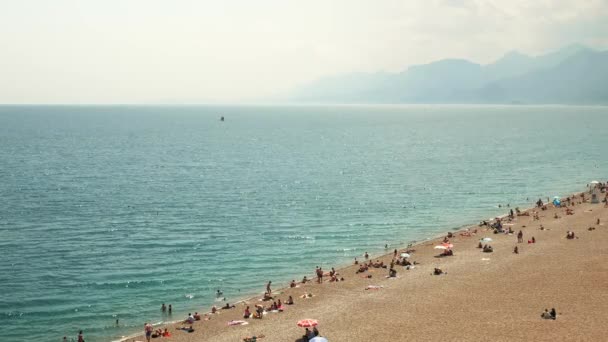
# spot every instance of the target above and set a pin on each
(222, 118)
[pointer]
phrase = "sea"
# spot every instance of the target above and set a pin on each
(106, 212)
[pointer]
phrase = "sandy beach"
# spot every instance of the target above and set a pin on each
(482, 296)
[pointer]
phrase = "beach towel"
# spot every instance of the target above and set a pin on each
(233, 323)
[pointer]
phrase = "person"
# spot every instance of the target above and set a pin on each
(247, 313)
(259, 310)
(65, 339)
(366, 256)
(437, 271)
(163, 308)
(319, 275)
(516, 250)
(546, 314)
(213, 309)
(315, 331)
(268, 289)
(228, 306)
(308, 334)
(520, 237)
(197, 316)
(356, 261)
(166, 333)
(304, 280)
(479, 245)
(81, 337)
(392, 273)
(289, 301)
(218, 293)
(533, 240)
(293, 283)
(553, 314)
(170, 308)
(190, 319)
(148, 330)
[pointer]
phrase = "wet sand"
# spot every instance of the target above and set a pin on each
(484, 296)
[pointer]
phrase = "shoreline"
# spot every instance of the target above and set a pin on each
(341, 269)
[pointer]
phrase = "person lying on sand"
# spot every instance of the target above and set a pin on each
(190, 329)
(446, 252)
(438, 271)
(570, 235)
(228, 306)
(253, 338)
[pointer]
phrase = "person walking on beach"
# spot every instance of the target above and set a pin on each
(268, 287)
(148, 331)
(520, 237)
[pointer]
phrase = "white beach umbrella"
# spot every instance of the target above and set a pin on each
(318, 339)
(405, 255)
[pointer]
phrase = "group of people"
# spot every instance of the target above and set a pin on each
(277, 305)
(549, 314)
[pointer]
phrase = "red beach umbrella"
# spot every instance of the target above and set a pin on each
(308, 323)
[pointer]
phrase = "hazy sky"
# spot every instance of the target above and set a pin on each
(181, 51)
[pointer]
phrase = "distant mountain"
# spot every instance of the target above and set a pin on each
(514, 78)
(581, 78)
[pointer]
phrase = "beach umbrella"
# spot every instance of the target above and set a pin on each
(486, 239)
(594, 182)
(318, 339)
(405, 255)
(441, 247)
(448, 245)
(308, 323)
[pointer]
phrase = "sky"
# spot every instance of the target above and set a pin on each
(231, 51)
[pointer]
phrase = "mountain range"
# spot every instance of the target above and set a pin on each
(572, 75)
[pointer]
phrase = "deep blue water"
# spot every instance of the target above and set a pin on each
(106, 212)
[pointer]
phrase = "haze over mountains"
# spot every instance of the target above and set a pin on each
(572, 75)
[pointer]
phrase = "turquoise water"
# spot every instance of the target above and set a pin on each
(107, 212)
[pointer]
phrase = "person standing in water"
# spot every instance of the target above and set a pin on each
(268, 289)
